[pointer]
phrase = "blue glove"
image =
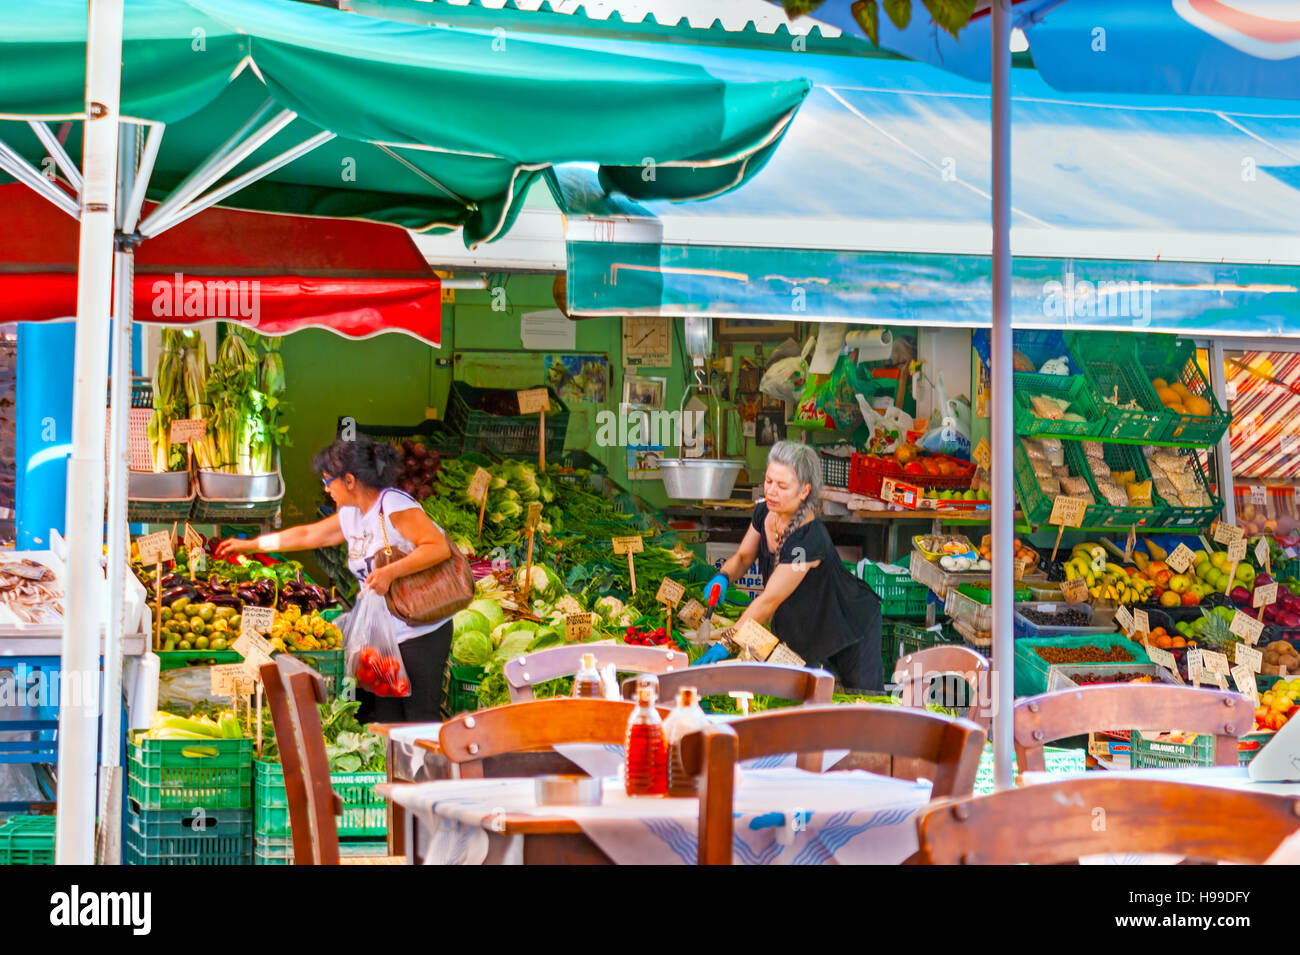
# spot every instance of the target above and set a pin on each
(715, 654)
(720, 582)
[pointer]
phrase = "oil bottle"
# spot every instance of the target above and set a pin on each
(646, 751)
(687, 717)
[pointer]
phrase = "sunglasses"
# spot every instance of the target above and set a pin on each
(326, 482)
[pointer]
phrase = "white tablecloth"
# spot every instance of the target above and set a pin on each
(782, 817)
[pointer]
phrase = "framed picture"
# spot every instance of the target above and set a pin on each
(769, 428)
(753, 330)
(642, 392)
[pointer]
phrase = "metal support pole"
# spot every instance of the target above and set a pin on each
(1002, 432)
(79, 701)
(1219, 384)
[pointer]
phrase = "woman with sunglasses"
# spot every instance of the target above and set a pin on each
(358, 474)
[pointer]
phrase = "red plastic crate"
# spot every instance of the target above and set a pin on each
(867, 474)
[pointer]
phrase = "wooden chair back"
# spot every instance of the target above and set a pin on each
(1100, 813)
(952, 745)
(1039, 720)
(537, 725)
(293, 692)
(914, 673)
(524, 672)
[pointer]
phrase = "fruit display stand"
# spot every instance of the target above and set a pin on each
(1031, 669)
(1194, 414)
(1069, 676)
(1122, 390)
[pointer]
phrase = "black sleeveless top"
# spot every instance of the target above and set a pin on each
(830, 609)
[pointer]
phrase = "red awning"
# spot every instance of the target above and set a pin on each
(277, 274)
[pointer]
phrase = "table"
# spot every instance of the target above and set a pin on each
(783, 816)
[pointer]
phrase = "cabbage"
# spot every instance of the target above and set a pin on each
(471, 648)
(520, 625)
(469, 620)
(546, 637)
(498, 634)
(489, 609)
(513, 644)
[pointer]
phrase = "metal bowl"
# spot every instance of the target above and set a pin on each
(699, 479)
(158, 486)
(219, 486)
(567, 790)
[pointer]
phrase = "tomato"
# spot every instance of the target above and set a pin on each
(402, 687)
(387, 669)
(370, 655)
(366, 675)
(381, 689)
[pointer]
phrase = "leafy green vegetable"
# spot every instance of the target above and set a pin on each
(350, 747)
(472, 648)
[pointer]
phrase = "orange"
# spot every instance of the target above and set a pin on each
(1177, 643)
(1159, 384)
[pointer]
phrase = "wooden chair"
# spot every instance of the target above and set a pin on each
(952, 745)
(524, 672)
(914, 673)
(1039, 720)
(1105, 813)
(538, 725)
(293, 692)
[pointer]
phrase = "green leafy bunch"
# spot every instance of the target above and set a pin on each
(951, 15)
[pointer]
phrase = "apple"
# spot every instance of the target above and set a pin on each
(1240, 595)
(1180, 583)
(1191, 598)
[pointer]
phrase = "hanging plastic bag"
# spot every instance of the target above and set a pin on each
(785, 377)
(830, 402)
(372, 654)
(886, 429)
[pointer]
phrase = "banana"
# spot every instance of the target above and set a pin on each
(1070, 571)
(1116, 569)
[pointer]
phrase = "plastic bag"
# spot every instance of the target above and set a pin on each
(371, 646)
(831, 401)
(886, 430)
(785, 377)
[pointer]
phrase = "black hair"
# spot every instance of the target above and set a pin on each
(376, 464)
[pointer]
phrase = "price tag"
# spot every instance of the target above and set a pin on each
(232, 679)
(155, 547)
(628, 545)
(1124, 619)
(692, 614)
(252, 643)
(1215, 662)
(256, 620)
(1258, 494)
(1263, 596)
(1195, 664)
(783, 654)
(478, 485)
(567, 605)
(1261, 555)
(194, 551)
(187, 429)
(1141, 624)
(1074, 591)
(670, 591)
(577, 627)
(1245, 680)
(757, 638)
(1225, 533)
(1163, 658)
(983, 454)
(1180, 558)
(534, 515)
(1246, 627)
(1068, 511)
(1130, 543)
(1250, 657)
(1237, 551)
(534, 400)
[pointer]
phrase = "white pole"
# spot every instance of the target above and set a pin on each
(79, 709)
(1219, 385)
(1003, 434)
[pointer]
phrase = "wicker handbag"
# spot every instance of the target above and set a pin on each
(428, 595)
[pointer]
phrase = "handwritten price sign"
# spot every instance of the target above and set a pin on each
(188, 429)
(1068, 512)
(1125, 620)
(1225, 533)
(1074, 591)
(1263, 596)
(982, 454)
(155, 547)
(628, 545)
(1180, 558)
(478, 485)
(256, 620)
(534, 400)
(670, 591)
(1246, 627)
(577, 627)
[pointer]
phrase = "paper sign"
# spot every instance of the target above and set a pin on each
(1261, 554)
(757, 638)
(1225, 533)
(231, 679)
(1214, 661)
(534, 400)
(256, 620)
(628, 545)
(1279, 670)
(1195, 663)
(534, 515)
(478, 485)
(1068, 512)
(1141, 624)
(1250, 657)
(1263, 596)
(1245, 680)
(188, 429)
(784, 655)
(1237, 551)
(252, 643)
(155, 547)
(1130, 543)
(691, 614)
(1074, 591)
(1124, 619)
(983, 455)
(1246, 627)
(1180, 558)
(1258, 494)
(670, 591)
(567, 605)
(577, 626)
(1163, 658)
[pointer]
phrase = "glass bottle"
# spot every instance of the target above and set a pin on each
(646, 753)
(686, 718)
(586, 682)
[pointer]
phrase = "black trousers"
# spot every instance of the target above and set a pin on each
(425, 658)
(859, 665)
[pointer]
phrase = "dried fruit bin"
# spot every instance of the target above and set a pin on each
(1110, 365)
(504, 434)
(1151, 753)
(1073, 388)
(188, 837)
(1035, 504)
(363, 811)
(1178, 515)
(27, 840)
(1174, 360)
(900, 595)
(1118, 457)
(1069, 676)
(1031, 670)
(1023, 628)
(172, 774)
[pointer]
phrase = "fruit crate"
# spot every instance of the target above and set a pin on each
(1023, 628)
(1118, 457)
(1031, 670)
(1151, 753)
(188, 837)
(939, 580)
(363, 811)
(1177, 515)
(27, 840)
(1041, 345)
(897, 640)
(868, 472)
(460, 689)
(900, 595)
(1174, 360)
(504, 434)
(964, 609)
(170, 774)
(328, 663)
(436, 435)
(1110, 365)
(1069, 676)
(836, 469)
(1073, 388)
(1035, 504)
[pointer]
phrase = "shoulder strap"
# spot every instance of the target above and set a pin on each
(383, 524)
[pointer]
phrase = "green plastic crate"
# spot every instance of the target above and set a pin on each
(898, 639)
(1119, 457)
(328, 663)
(503, 434)
(27, 840)
(1073, 388)
(1059, 762)
(1200, 752)
(1177, 515)
(188, 837)
(160, 775)
(180, 659)
(1174, 359)
(1110, 365)
(272, 850)
(900, 595)
(1031, 670)
(460, 689)
(363, 810)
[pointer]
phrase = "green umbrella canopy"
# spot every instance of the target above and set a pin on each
(434, 127)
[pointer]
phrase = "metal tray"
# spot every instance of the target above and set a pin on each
(159, 486)
(250, 488)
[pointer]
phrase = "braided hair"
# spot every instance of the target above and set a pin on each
(807, 468)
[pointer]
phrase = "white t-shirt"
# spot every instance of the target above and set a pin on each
(365, 539)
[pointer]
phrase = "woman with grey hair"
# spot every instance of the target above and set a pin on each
(824, 613)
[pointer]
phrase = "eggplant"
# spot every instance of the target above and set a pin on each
(169, 597)
(225, 600)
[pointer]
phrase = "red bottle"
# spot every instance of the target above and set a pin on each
(646, 752)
